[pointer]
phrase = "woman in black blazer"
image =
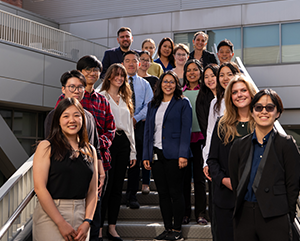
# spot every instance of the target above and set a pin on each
(167, 135)
(200, 40)
(236, 122)
(264, 171)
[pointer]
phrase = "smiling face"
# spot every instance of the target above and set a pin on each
(78, 92)
(166, 49)
(210, 79)
(225, 76)
(200, 42)
(125, 39)
(180, 57)
(193, 73)
(131, 64)
(264, 119)
(240, 95)
(70, 121)
(168, 85)
(145, 62)
(150, 47)
(91, 75)
(225, 54)
(118, 79)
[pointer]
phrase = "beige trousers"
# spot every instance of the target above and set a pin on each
(44, 229)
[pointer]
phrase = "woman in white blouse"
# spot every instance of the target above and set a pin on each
(116, 89)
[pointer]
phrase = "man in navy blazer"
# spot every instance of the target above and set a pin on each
(115, 55)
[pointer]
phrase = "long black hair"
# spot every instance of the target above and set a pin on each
(60, 145)
(204, 90)
(171, 56)
(159, 94)
(220, 90)
(190, 61)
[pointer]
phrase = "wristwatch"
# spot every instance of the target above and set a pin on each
(88, 220)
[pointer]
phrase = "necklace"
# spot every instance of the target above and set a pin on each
(116, 98)
(243, 123)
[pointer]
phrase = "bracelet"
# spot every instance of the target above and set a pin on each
(88, 220)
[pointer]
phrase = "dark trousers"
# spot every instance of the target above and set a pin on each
(169, 183)
(224, 220)
(134, 172)
(120, 154)
(96, 224)
(250, 225)
(195, 164)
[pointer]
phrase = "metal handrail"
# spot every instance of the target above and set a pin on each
(40, 37)
(241, 65)
(16, 213)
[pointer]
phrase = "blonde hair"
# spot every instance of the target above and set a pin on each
(125, 90)
(227, 124)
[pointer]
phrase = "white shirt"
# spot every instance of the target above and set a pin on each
(212, 118)
(123, 120)
(159, 118)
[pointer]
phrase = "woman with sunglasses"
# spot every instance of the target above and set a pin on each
(165, 53)
(167, 135)
(235, 123)
(264, 170)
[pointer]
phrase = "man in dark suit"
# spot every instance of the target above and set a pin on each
(115, 55)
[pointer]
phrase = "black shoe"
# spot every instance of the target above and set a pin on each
(110, 237)
(133, 204)
(174, 235)
(162, 236)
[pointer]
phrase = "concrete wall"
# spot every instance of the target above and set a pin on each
(30, 78)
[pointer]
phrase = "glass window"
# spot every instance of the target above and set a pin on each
(24, 124)
(6, 115)
(261, 45)
(28, 145)
(232, 34)
(185, 38)
(290, 40)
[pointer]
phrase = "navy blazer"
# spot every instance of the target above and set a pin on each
(110, 57)
(176, 133)
(278, 188)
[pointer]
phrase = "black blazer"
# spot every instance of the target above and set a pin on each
(278, 188)
(208, 58)
(110, 57)
(202, 110)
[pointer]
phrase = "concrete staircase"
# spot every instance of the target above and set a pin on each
(146, 223)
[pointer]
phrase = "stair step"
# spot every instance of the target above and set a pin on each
(153, 199)
(148, 230)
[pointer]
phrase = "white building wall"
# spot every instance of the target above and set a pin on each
(30, 79)
(181, 16)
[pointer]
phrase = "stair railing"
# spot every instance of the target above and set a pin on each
(17, 202)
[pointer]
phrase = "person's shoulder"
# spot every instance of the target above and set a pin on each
(43, 145)
(88, 114)
(113, 49)
(157, 61)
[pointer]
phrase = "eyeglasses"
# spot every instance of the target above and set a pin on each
(268, 107)
(145, 60)
(73, 88)
(89, 70)
(168, 82)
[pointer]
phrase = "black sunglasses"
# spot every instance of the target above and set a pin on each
(268, 107)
